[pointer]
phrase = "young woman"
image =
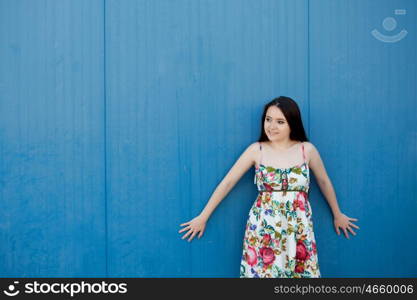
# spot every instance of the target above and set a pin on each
(279, 237)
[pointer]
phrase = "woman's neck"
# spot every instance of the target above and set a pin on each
(282, 145)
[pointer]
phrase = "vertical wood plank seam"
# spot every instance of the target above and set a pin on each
(308, 68)
(105, 141)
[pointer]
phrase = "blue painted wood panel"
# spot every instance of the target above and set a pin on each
(52, 206)
(363, 120)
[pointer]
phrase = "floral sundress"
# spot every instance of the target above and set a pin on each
(279, 239)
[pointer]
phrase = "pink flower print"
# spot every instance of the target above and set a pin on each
(299, 201)
(268, 187)
(251, 256)
(299, 268)
(276, 243)
(268, 255)
(258, 203)
(266, 239)
(301, 252)
(314, 247)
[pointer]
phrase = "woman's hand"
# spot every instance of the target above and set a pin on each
(343, 222)
(198, 224)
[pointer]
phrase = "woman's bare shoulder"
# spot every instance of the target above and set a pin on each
(253, 149)
(310, 150)
(309, 146)
(254, 145)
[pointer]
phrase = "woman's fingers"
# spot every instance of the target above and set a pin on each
(353, 225)
(346, 234)
(345, 224)
(201, 233)
(351, 230)
(191, 237)
(194, 227)
(187, 234)
(185, 228)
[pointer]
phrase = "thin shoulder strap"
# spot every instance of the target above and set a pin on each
(260, 148)
(304, 156)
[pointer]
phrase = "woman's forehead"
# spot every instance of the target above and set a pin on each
(275, 112)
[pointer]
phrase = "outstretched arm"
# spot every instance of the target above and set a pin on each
(241, 166)
(326, 187)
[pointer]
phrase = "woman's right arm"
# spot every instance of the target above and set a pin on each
(241, 166)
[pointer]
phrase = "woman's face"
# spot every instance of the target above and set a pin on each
(276, 126)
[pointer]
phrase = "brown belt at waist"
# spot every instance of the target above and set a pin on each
(281, 191)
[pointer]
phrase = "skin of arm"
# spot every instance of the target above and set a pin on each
(316, 165)
(241, 166)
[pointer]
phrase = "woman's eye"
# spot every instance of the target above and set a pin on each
(279, 122)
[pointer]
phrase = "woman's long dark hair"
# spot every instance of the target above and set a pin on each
(292, 113)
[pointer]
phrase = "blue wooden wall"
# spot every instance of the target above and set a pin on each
(119, 118)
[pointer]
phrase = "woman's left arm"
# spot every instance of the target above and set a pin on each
(326, 187)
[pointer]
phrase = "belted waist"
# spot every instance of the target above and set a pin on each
(272, 191)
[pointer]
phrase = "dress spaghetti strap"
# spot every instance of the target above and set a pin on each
(260, 162)
(260, 149)
(302, 148)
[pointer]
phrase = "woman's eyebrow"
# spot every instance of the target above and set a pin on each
(277, 118)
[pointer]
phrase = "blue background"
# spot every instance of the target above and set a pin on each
(119, 118)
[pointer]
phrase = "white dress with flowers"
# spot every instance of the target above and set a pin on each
(279, 238)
